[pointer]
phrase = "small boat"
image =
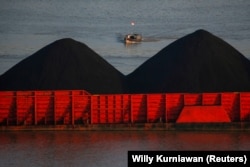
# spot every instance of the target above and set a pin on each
(132, 38)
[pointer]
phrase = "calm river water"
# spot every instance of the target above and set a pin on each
(108, 148)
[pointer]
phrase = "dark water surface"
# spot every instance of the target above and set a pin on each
(108, 148)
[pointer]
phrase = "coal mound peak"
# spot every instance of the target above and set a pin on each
(197, 62)
(64, 64)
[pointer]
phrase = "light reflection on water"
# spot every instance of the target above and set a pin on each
(108, 148)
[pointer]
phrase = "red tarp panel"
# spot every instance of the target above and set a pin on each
(138, 108)
(156, 108)
(245, 107)
(192, 99)
(211, 99)
(199, 114)
(7, 108)
(115, 109)
(81, 108)
(63, 107)
(95, 109)
(44, 107)
(25, 107)
(174, 105)
(231, 103)
(126, 108)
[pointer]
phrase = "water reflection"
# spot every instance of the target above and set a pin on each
(105, 148)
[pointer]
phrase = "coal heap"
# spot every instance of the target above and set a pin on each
(64, 64)
(198, 62)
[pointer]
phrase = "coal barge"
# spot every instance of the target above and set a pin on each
(79, 110)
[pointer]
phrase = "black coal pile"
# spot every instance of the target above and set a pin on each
(198, 62)
(64, 64)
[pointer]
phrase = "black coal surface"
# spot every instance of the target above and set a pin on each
(198, 62)
(64, 64)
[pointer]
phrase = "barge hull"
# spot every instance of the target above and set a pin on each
(77, 108)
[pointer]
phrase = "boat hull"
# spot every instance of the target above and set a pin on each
(132, 38)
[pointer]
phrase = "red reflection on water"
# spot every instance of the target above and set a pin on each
(132, 139)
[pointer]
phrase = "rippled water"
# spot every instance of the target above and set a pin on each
(28, 25)
(108, 148)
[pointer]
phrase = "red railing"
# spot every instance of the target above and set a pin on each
(69, 107)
